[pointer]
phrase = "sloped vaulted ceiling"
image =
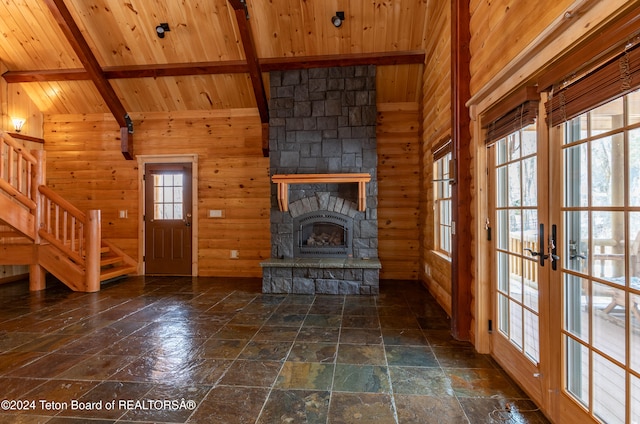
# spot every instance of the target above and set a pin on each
(202, 63)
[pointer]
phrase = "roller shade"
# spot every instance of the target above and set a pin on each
(615, 78)
(511, 114)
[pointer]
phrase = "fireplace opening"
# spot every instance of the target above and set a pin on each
(324, 235)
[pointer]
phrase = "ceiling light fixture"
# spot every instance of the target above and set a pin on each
(17, 124)
(161, 29)
(338, 19)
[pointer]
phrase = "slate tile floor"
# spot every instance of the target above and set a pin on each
(211, 350)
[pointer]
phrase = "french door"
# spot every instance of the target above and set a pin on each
(519, 259)
(599, 278)
(565, 257)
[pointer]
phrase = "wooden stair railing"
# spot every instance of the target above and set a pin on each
(67, 242)
(88, 260)
(76, 235)
(19, 176)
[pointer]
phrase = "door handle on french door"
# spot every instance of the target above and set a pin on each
(541, 253)
(553, 249)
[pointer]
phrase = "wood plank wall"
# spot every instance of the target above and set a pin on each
(436, 128)
(399, 183)
(15, 103)
(85, 165)
(501, 29)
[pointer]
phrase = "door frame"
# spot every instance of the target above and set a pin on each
(144, 160)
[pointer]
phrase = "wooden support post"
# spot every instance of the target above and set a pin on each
(362, 196)
(126, 143)
(92, 245)
(37, 274)
(462, 196)
(265, 140)
(283, 196)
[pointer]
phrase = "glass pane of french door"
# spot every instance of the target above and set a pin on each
(516, 273)
(517, 230)
(600, 265)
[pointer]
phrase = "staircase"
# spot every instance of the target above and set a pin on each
(41, 229)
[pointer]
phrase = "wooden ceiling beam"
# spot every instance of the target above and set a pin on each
(46, 75)
(133, 71)
(255, 73)
(242, 18)
(411, 57)
(80, 46)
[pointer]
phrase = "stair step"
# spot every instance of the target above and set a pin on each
(110, 260)
(118, 271)
(10, 234)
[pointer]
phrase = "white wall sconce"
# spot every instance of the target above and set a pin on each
(17, 124)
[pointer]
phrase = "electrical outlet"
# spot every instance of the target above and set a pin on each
(124, 214)
(427, 270)
(215, 213)
(234, 254)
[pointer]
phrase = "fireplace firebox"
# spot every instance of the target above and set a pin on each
(323, 234)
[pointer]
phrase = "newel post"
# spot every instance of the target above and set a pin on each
(37, 274)
(92, 244)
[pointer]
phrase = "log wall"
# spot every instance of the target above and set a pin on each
(501, 29)
(85, 165)
(398, 190)
(435, 271)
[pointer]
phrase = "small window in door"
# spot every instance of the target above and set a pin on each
(168, 192)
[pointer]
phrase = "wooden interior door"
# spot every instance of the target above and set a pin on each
(168, 218)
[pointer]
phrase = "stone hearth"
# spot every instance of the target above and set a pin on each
(323, 121)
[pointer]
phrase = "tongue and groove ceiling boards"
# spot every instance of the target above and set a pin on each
(210, 57)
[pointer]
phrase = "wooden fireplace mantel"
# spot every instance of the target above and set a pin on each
(283, 181)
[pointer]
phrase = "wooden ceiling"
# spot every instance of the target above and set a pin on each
(204, 61)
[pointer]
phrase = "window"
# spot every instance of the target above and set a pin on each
(442, 201)
(167, 203)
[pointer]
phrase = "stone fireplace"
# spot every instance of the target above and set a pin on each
(324, 235)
